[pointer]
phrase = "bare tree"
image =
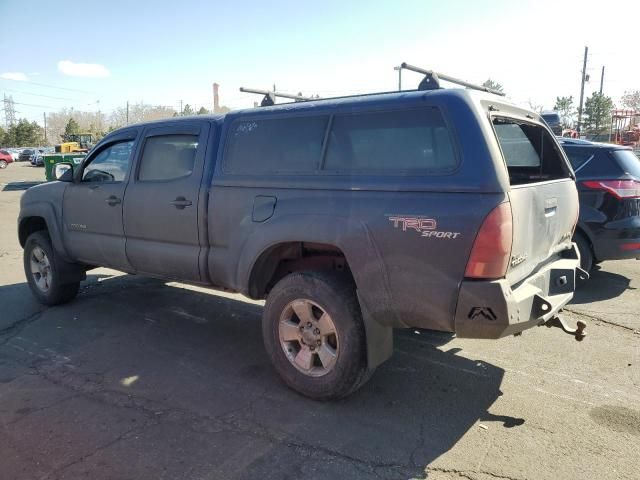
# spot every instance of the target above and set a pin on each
(536, 107)
(631, 100)
(493, 85)
(139, 112)
(88, 122)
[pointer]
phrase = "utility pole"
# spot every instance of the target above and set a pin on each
(180, 107)
(601, 79)
(44, 116)
(399, 69)
(127, 112)
(584, 76)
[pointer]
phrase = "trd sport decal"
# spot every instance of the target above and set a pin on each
(426, 227)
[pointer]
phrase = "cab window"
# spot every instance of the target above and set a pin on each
(168, 157)
(530, 152)
(111, 164)
(390, 142)
(283, 145)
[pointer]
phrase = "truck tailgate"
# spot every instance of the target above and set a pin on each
(544, 215)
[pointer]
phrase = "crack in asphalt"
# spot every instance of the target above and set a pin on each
(158, 411)
(40, 409)
(421, 440)
(600, 319)
(55, 474)
(16, 327)
(470, 474)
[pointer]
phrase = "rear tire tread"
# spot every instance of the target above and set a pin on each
(336, 293)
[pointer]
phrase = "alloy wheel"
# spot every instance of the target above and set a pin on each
(308, 337)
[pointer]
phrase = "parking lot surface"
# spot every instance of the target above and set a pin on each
(144, 379)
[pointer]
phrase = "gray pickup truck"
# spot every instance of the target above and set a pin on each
(445, 209)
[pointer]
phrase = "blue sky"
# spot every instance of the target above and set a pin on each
(163, 52)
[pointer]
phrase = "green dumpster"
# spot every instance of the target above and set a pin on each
(50, 161)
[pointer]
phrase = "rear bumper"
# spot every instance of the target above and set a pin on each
(494, 309)
(617, 248)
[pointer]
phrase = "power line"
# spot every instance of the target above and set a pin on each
(33, 105)
(37, 94)
(49, 86)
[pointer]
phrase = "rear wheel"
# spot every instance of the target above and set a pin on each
(3, 164)
(314, 334)
(586, 254)
(41, 272)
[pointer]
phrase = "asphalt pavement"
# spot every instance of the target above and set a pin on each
(144, 379)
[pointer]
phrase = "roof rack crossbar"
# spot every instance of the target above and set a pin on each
(270, 96)
(432, 80)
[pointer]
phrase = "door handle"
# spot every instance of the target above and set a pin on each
(113, 201)
(180, 203)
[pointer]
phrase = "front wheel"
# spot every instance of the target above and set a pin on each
(3, 164)
(314, 334)
(42, 274)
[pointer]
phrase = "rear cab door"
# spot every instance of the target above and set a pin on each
(162, 207)
(543, 195)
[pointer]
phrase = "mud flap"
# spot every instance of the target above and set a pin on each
(379, 338)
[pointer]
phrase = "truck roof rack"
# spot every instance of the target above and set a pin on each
(270, 96)
(431, 80)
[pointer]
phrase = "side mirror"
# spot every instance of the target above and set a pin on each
(63, 171)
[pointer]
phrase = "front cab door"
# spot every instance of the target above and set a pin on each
(92, 205)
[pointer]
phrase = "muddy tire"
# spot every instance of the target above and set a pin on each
(42, 273)
(314, 334)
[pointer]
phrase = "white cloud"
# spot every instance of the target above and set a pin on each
(14, 76)
(73, 69)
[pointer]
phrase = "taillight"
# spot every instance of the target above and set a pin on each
(492, 247)
(618, 188)
(630, 246)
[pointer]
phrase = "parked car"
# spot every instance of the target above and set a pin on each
(37, 160)
(608, 179)
(445, 209)
(554, 121)
(27, 154)
(5, 158)
(15, 153)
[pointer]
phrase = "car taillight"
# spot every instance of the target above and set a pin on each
(618, 188)
(492, 247)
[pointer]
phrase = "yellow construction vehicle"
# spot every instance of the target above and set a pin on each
(81, 142)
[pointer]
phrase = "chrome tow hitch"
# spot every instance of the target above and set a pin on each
(578, 332)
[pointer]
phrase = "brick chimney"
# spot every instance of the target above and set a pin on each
(216, 98)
